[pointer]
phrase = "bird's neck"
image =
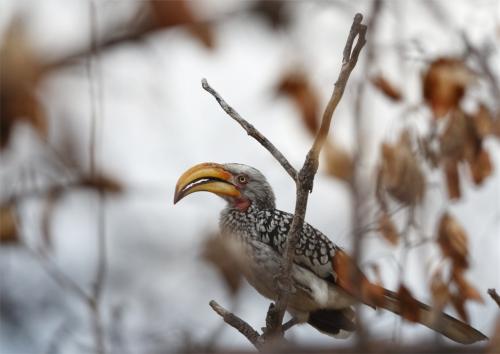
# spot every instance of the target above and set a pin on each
(241, 204)
(246, 205)
(231, 209)
(233, 220)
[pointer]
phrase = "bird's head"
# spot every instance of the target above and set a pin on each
(240, 185)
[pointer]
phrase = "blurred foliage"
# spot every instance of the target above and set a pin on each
(19, 76)
(8, 227)
(454, 146)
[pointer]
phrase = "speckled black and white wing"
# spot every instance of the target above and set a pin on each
(314, 250)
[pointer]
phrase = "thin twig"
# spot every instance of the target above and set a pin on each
(251, 130)
(306, 175)
(494, 295)
(234, 321)
(303, 179)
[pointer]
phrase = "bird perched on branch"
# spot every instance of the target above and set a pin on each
(322, 293)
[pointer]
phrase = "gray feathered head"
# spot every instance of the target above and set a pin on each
(240, 185)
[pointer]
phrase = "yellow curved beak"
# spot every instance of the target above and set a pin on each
(208, 177)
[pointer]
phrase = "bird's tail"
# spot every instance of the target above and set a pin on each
(439, 321)
(336, 323)
(404, 305)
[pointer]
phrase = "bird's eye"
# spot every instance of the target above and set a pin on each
(242, 179)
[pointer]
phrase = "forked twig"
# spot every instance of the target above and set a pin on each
(234, 321)
(303, 179)
(251, 130)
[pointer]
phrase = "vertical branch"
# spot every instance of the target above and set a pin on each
(95, 94)
(356, 194)
(305, 177)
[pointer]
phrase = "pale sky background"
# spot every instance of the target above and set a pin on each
(156, 121)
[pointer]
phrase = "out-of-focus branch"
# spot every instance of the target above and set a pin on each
(482, 60)
(136, 30)
(95, 95)
(356, 193)
(153, 16)
(99, 183)
(494, 295)
(234, 321)
(252, 131)
(441, 15)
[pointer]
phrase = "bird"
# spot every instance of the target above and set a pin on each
(321, 295)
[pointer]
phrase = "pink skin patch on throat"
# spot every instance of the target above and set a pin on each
(242, 204)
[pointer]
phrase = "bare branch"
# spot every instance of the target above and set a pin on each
(234, 321)
(303, 179)
(494, 295)
(251, 130)
(306, 175)
(95, 94)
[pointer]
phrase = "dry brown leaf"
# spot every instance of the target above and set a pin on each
(444, 84)
(452, 178)
(462, 141)
(481, 167)
(18, 80)
(8, 228)
(173, 13)
(388, 230)
(453, 140)
(409, 306)
(338, 162)
(452, 240)
(401, 175)
(439, 290)
(465, 289)
(273, 11)
(496, 126)
(204, 33)
(102, 182)
(483, 121)
(387, 88)
(458, 303)
(296, 86)
(216, 252)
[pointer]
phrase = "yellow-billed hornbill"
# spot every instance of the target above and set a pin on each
(258, 231)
